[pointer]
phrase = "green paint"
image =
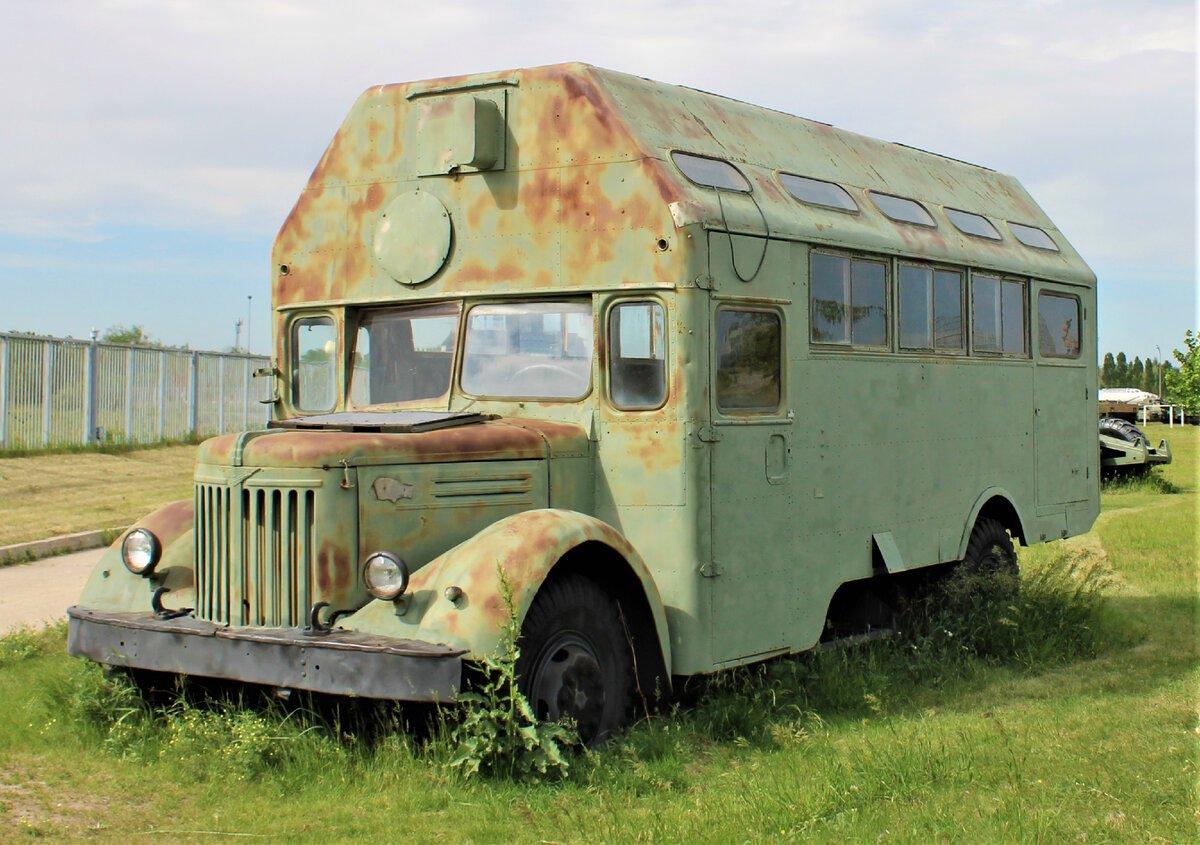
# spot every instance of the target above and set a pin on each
(783, 462)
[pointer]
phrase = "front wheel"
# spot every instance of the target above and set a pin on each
(575, 660)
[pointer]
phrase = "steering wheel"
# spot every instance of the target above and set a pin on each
(547, 370)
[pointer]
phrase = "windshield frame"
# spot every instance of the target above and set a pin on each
(357, 321)
(549, 368)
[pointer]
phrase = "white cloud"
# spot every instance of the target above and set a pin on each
(208, 113)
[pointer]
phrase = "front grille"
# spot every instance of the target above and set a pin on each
(255, 549)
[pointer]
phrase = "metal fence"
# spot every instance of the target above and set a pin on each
(60, 391)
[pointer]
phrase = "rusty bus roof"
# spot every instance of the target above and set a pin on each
(587, 183)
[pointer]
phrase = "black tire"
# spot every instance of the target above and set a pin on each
(990, 564)
(1122, 430)
(1130, 433)
(990, 549)
(575, 658)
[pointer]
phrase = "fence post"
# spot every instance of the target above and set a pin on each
(162, 391)
(194, 396)
(3, 392)
(246, 393)
(221, 395)
(47, 361)
(93, 390)
(128, 394)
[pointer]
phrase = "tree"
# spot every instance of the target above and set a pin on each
(1122, 375)
(128, 334)
(1183, 385)
(1136, 372)
(1149, 377)
(1108, 371)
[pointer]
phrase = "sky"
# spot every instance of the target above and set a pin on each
(150, 149)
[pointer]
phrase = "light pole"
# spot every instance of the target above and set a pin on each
(249, 316)
(1158, 366)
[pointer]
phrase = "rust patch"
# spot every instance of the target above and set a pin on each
(498, 440)
(169, 522)
(217, 450)
(324, 569)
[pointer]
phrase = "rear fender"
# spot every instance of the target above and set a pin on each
(1000, 506)
(527, 546)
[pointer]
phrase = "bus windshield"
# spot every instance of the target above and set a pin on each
(528, 350)
(404, 354)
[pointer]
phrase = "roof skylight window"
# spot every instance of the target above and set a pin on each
(903, 210)
(972, 224)
(710, 172)
(1032, 236)
(817, 192)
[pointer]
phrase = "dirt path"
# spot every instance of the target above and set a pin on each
(40, 592)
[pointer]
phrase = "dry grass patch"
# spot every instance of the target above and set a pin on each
(47, 495)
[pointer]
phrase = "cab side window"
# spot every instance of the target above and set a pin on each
(314, 368)
(637, 361)
(1058, 325)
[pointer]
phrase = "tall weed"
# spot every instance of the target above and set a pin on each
(208, 740)
(499, 734)
(964, 626)
(1148, 481)
(19, 644)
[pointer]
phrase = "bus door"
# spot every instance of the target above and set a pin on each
(750, 440)
(1064, 400)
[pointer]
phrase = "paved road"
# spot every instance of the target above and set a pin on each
(40, 592)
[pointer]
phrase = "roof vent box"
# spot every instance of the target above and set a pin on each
(461, 133)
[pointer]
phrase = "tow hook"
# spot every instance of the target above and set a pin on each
(165, 613)
(316, 626)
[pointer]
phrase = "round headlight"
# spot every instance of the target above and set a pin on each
(140, 550)
(385, 575)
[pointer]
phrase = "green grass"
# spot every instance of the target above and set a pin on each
(113, 445)
(1075, 720)
(47, 495)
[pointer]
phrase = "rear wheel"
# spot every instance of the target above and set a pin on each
(990, 564)
(575, 660)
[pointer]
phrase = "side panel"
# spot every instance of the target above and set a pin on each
(759, 587)
(1064, 398)
(417, 511)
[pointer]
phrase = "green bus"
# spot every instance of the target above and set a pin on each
(697, 379)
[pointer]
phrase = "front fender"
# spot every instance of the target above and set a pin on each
(527, 546)
(113, 587)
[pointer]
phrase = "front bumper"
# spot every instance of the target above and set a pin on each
(340, 662)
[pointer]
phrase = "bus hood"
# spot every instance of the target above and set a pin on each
(352, 442)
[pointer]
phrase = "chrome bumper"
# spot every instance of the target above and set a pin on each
(338, 661)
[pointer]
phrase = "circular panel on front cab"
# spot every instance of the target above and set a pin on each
(412, 238)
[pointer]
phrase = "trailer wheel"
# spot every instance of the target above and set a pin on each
(991, 560)
(1122, 430)
(575, 660)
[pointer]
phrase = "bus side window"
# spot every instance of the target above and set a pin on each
(314, 344)
(749, 366)
(998, 315)
(848, 299)
(930, 309)
(637, 361)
